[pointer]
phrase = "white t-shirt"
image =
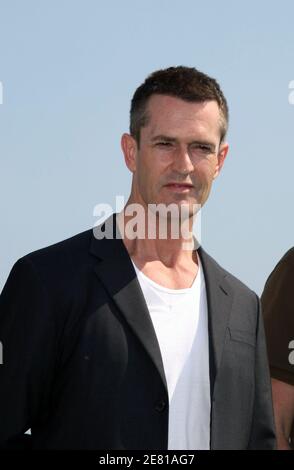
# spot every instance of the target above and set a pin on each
(180, 321)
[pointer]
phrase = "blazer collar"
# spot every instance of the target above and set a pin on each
(116, 272)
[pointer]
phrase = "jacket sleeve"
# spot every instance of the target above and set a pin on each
(263, 429)
(27, 335)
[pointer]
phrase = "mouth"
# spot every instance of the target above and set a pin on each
(179, 187)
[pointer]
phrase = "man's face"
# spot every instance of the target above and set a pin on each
(179, 154)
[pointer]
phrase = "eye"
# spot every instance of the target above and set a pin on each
(164, 144)
(202, 148)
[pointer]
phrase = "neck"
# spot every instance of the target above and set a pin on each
(150, 236)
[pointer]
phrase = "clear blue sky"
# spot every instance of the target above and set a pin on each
(69, 69)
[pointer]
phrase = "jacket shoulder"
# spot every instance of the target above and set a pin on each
(236, 284)
(62, 266)
(71, 246)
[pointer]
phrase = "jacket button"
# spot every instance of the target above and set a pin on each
(160, 406)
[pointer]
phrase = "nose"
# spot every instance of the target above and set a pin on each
(182, 161)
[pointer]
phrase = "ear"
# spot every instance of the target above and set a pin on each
(222, 153)
(129, 148)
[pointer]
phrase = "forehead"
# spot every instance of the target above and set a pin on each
(168, 114)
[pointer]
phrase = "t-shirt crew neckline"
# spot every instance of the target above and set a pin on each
(168, 289)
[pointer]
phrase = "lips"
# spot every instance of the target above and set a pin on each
(179, 185)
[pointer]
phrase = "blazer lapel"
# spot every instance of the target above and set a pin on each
(115, 270)
(219, 304)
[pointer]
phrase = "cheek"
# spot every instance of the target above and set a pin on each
(205, 171)
(151, 172)
(146, 178)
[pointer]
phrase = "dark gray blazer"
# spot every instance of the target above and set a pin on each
(82, 366)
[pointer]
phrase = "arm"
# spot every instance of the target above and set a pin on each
(278, 309)
(27, 335)
(283, 396)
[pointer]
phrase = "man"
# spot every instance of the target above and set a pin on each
(135, 340)
(278, 309)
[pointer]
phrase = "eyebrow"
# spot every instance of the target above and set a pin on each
(163, 137)
(174, 139)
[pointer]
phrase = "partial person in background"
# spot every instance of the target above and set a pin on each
(278, 309)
